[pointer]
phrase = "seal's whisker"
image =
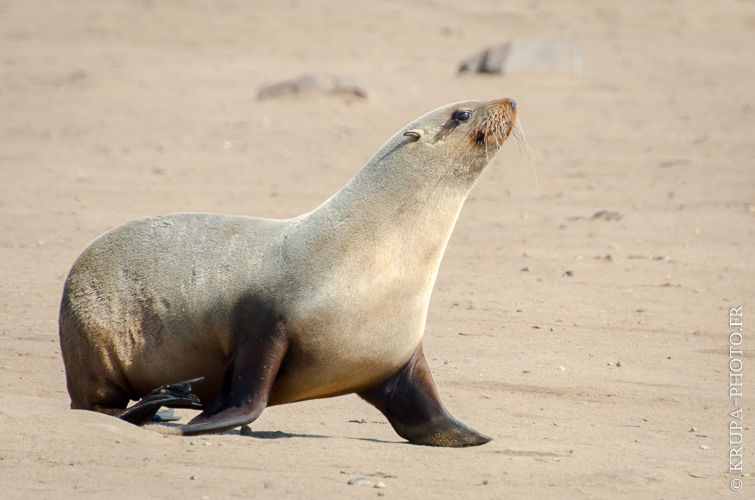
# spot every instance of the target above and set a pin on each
(482, 126)
(518, 138)
(518, 133)
(487, 131)
(498, 133)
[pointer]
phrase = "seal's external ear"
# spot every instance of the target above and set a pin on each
(415, 134)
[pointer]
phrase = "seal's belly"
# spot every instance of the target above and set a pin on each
(304, 378)
(333, 353)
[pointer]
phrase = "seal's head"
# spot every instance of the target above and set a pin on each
(462, 137)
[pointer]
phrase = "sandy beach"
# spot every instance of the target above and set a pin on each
(594, 350)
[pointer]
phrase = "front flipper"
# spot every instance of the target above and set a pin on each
(246, 385)
(171, 396)
(409, 399)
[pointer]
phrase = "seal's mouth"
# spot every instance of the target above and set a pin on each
(496, 125)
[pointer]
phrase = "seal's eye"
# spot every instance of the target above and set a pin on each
(462, 116)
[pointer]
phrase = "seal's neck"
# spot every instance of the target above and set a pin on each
(397, 207)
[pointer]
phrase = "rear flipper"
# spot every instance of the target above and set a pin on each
(409, 399)
(171, 396)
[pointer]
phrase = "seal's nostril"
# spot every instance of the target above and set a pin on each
(513, 103)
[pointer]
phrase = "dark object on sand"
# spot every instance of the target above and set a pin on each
(311, 83)
(561, 55)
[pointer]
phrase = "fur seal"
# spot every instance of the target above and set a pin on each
(255, 312)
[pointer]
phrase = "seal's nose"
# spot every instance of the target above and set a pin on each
(513, 103)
